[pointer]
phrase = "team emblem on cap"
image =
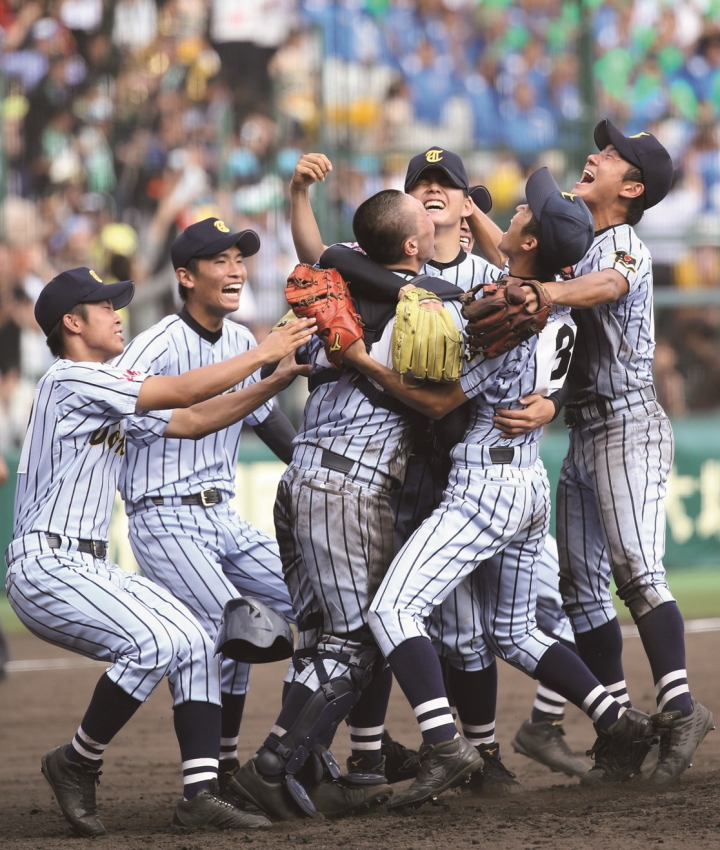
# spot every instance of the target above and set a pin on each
(626, 260)
(95, 275)
(637, 135)
(434, 156)
(221, 226)
(568, 195)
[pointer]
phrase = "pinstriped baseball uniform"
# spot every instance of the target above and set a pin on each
(203, 556)
(333, 515)
(613, 480)
(81, 426)
(484, 539)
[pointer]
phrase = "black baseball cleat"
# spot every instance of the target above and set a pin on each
(620, 751)
(207, 811)
(494, 779)
(74, 787)
(330, 798)
(364, 770)
(441, 766)
(400, 761)
(679, 738)
(545, 743)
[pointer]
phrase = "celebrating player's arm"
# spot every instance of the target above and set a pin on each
(224, 410)
(311, 168)
(160, 392)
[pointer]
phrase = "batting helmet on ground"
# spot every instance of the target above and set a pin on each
(253, 632)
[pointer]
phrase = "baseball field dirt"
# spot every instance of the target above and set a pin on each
(141, 777)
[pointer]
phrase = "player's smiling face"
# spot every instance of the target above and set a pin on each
(216, 287)
(512, 241)
(102, 331)
(603, 178)
(445, 203)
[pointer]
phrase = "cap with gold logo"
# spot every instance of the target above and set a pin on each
(644, 151)
(439, 158)
(78, 286)
(208, 237)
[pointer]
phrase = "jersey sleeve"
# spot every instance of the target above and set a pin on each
(97, 388)
(146, 427)
(625, 253)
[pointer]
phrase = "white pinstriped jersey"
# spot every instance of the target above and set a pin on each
(340, 418)
(465, 271)
(81, 425)
(182, 467)
(615, 346)
(538, 365)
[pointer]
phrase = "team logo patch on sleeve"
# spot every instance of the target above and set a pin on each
(624, 259)
(130, 375)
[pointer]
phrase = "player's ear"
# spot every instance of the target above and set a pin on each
(631, 189)
(410, 246)
(185, 277)
(529, 242)
(467, 207)
(71, 322)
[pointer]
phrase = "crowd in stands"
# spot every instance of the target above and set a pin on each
(122, 121)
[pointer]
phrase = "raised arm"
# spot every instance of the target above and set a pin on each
(224, 410)
(487, 236)
(312, 168)
(163, 392)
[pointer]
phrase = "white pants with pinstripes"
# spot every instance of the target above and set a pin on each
(87, 605)
(611, 516)
(490, 527)
(336, 540)
(205, 557)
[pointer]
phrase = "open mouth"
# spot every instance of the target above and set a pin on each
(587, 176)
(464, 241)
(434, 205)
(234, 289)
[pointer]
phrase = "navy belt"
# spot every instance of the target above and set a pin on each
(97, 548)
(602, 408)
(206, 498)
(502, 454)
(332, 460)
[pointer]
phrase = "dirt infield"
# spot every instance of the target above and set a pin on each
(141, 777)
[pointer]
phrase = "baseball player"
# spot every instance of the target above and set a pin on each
(59, 581)
(611, 519)
(183, 531)
(492, 525)
(335, 531)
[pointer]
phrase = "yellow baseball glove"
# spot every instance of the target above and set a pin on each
(425, 342)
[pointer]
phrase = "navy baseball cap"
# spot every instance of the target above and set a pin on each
(481, 198)
(644, 151)
(566, 224)
(211, 236)
(77, 286)
(446, 161)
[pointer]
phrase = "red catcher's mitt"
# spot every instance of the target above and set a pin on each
(499, 320)
(323, 295)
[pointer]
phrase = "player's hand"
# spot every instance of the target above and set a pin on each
(288, 369)
(287, 339)
(312, 168)
(538, 411)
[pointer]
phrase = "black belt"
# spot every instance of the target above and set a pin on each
(602, 408)
(97, 548)
(500, 454)
(332, 460)
(206, 498)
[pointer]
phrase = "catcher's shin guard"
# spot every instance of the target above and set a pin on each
(314, 729)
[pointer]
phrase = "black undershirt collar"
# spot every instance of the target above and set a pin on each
(456, 262)
(209, 336)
